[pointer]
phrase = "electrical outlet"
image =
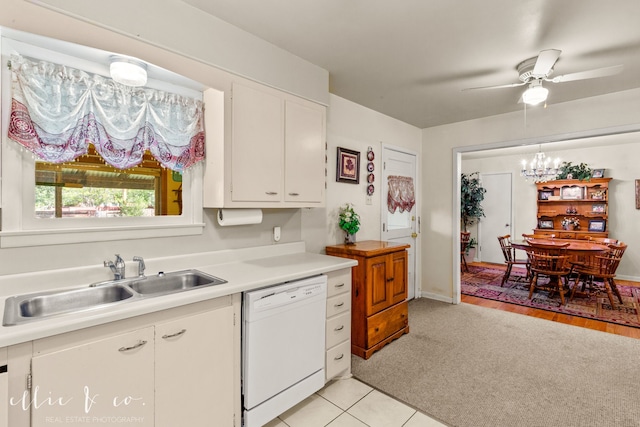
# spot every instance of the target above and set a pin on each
(276, 234)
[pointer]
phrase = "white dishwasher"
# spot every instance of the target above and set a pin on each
(283, 347)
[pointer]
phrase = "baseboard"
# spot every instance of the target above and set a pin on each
(629, 278)
(436, 297)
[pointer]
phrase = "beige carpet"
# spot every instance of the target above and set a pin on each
(472, 366)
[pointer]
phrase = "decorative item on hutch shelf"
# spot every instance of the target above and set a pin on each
(348, 168)
(598, 208)
(545, 223)
(597, 173)
(571, 223)
(349, 221)
(597, 225)
(571, 192)
(598, 195)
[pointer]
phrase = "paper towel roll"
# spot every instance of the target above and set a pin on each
(239, 216)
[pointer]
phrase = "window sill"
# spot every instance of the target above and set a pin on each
(20, 239)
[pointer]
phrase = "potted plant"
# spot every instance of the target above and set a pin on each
(471, 197)
(581, 172)
(349, 221)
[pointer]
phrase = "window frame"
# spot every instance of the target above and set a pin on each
(20, 227)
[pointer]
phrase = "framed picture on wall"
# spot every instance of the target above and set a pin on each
(597, 225)
(348, 168)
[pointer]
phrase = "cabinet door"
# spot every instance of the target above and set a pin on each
(399, 283)
(378, 271)
(93, 383)
(304, 153)
(257, 146)
(194, 370)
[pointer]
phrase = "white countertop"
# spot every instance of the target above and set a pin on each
(243, 269)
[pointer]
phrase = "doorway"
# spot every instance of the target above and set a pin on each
(398, 209)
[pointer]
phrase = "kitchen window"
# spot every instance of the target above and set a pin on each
(46, 203)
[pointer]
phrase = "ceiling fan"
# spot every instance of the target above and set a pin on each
(534, 71)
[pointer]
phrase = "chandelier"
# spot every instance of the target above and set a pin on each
(540, 169)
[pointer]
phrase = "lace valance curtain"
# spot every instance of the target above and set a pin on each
(401, 194)
(56, 111)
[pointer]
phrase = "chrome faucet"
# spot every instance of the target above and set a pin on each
(118, 268)
(141, 265)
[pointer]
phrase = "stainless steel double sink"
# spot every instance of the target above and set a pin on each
(36, 306)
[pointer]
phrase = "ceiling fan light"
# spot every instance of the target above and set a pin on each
(535, 95)
(128, 72)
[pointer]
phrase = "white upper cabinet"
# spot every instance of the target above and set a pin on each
(304, 153)
(270, 152)
(257, 133)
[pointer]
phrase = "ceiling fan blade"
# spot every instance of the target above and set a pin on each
(496, 87)
(590, 74)
(545, 62)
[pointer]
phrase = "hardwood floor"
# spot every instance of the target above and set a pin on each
(597, 325)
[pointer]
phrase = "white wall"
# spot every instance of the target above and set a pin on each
(352, 126)
(581, 116)
(155, 27)
(617, 154)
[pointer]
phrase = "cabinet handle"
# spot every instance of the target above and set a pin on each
(270, 193)
(294, 194)
(177, 334)
(339, 328)
(377, 329)
(133, 347)
(339, 357)
(390, 279)
(338, 305)
(340, 285)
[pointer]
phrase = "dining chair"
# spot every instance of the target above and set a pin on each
(509, 253)
(601, 268)
(465, 237)
(551, 261)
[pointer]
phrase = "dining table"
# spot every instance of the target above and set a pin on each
(576, 248)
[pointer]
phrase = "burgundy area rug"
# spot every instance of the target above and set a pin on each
(484, 282)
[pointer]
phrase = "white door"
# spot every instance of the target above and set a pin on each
(497, 220)
(398, 220)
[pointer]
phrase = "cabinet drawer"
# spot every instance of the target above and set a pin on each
(338, 304)
(338, 359)
(338, 282)
(338, 329)
(386, 323)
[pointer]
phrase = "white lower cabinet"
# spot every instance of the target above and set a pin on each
(193, 370)
(4, 389)
(99, 382)
(338, 327)
(178, 367)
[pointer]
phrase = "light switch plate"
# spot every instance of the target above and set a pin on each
(276, 234)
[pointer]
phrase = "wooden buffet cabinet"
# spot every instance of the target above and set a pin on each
(585, 200)
(379, 310)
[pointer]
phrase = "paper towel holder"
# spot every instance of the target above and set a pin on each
(227, 217)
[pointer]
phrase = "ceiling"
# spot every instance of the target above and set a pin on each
(411, 59)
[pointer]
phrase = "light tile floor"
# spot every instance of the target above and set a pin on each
(351, 403)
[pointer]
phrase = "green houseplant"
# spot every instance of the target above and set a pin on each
(471, 197)
(581, 172)
(349, 221)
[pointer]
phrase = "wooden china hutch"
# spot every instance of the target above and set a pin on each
(571, 199)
